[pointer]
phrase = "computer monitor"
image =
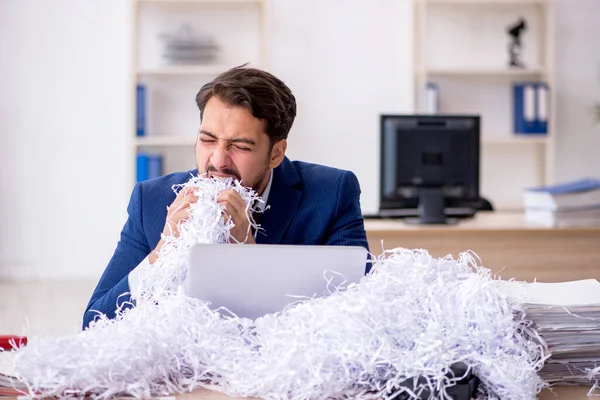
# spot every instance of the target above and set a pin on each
(430, 166)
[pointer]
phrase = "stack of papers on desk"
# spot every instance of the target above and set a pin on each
(569, 204)
(567, 316)
(8, 385)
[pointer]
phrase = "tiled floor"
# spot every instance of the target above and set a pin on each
(43, 308)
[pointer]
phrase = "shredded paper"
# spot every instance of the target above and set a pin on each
(398, 331)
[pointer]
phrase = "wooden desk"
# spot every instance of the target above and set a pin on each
(559, 393)
(502, 240)
(505, 243)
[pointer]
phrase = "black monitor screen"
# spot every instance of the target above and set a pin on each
(429, 151)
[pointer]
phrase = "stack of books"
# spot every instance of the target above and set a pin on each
(567, 317)
(187, 47)
(569, 204)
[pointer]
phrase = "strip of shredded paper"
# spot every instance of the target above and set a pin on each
(413, 317)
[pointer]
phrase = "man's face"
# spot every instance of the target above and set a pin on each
(233, 143)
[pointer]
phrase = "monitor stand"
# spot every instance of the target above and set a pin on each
(431, 208)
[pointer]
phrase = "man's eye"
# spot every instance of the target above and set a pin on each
(242, 148)
(207, 140)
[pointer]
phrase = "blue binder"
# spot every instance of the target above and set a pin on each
(542, 108)
(531, 108)
(149, 166)
(155, 168)
(141, 167)
(524, 108)
(140, 100)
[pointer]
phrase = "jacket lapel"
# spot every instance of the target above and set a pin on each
(283, 201)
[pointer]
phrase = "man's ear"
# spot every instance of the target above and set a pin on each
(277, 153)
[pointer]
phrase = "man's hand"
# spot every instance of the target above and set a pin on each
(178, 211)
(235, 209)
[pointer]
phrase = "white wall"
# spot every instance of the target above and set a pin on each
(64, 114)
(66, 111)
(578, 88)
(347, 61)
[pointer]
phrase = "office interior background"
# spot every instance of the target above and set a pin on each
(68, 74)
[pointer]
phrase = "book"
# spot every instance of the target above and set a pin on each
(148, 166)
(524, 112)
(140, 100)
(552, 218)
(581, 194)
(155, 166)
(542, 108)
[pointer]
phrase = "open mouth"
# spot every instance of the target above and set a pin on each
(221, 176)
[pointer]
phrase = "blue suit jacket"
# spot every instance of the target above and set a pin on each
(309, 204)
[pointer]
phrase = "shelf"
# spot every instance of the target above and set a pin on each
(533, 139)
(165, 140)
(183, 70)
(487, 2)
(202, 1)
(500, 72)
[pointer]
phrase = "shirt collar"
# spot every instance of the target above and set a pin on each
(265, 196)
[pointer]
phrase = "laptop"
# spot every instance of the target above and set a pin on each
(253, 280)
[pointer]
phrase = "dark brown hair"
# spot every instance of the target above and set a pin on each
(261, 93)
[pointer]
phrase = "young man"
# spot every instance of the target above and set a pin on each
(246, 115)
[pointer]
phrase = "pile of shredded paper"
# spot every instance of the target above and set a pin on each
(399, 330)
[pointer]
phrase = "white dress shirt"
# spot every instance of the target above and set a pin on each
(133, 277)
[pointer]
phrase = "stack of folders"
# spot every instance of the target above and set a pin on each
(567, 317)
(570, 204)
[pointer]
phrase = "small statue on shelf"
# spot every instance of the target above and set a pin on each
(514, 48)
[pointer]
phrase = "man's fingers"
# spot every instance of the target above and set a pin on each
(228, 207)
(183, 193)
(189, 198)
(175, 208)
(234, 208)
(174, 220)
(180, 195)
(234, 199)
(181, 214)
(182, 203)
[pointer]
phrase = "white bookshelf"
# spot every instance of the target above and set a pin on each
(462, 46)
(487, 2)
(482, 72)
(165, 140)
(211, 2)
(516, 140)
(187, 70)
(172, 117)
